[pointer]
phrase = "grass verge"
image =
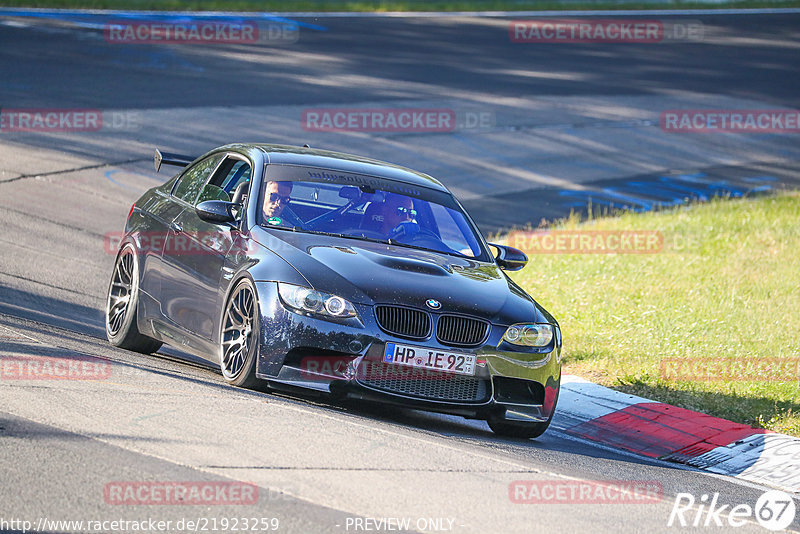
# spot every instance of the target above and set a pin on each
(388, 5)
(722, 297)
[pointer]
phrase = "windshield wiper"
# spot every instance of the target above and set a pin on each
(386, 241)
(427, 249)
(290, 228)
(348, 236)
(389, 242)
(331, 234)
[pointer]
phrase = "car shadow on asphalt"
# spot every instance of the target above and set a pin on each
(477, 432)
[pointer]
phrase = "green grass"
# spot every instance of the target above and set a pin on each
(386, 5)
(726, 285)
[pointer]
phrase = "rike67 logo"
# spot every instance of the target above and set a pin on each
(774, 510)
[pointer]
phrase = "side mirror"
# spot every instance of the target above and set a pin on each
(216, 211)
(510, 258)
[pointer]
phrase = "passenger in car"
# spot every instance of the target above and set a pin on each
(397, 209)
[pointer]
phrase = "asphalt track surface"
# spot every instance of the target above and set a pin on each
(445, 55)
(566, 122)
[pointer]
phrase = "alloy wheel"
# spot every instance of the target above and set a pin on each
(120, 292)
(237, 331)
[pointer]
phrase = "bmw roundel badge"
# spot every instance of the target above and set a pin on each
(433, 304)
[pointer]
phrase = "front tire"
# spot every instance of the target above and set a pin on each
(239, 337)
(122, 304)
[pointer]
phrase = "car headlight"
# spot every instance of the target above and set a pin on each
(529, 335)
(304, 299)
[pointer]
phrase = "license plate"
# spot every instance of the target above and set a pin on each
(433, 359)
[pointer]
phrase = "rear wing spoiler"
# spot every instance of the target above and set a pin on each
(168, 158)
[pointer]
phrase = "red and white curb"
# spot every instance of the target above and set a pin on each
(666, 432)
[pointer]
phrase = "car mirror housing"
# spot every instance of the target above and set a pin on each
(216, 211)
(509, 258)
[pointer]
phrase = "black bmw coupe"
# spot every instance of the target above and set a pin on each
(296, 267)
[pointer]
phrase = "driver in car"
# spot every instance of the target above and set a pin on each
(276, 208)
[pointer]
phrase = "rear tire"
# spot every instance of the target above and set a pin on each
(122, 304)
(239, 337)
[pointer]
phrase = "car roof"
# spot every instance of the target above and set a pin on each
(340, 161)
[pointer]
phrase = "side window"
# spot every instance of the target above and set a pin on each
(238, 174)
(194, 178)
(223, 185)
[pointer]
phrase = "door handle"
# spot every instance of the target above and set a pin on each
(176, 227)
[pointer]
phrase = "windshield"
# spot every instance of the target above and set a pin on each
(367, 208)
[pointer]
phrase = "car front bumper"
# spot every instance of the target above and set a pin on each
(344, 358)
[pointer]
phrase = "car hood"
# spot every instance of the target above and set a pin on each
(376, 273)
